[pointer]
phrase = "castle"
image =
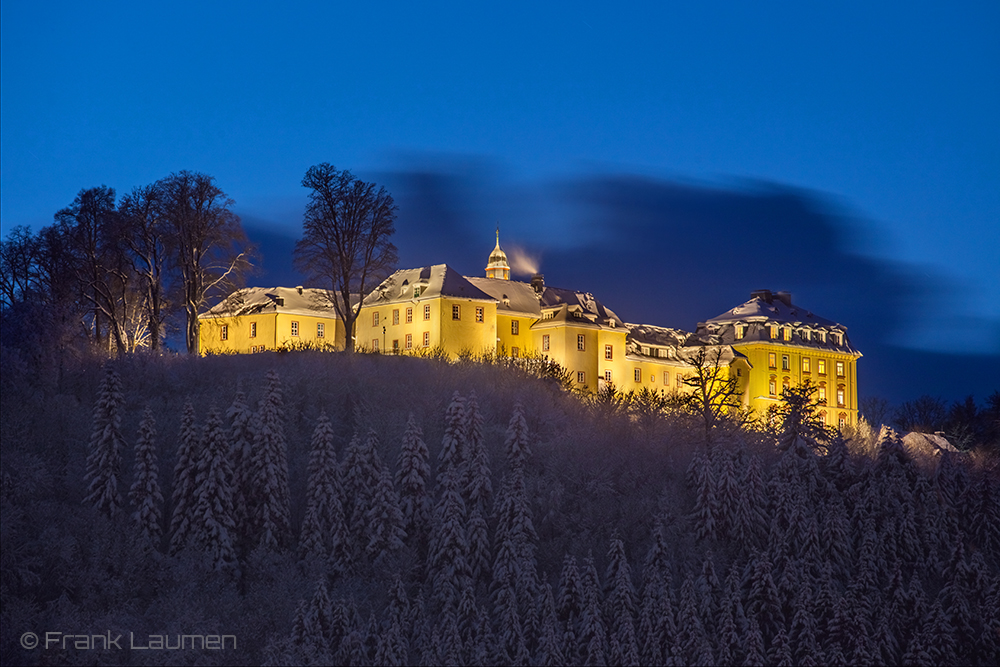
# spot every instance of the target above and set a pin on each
(767, 343)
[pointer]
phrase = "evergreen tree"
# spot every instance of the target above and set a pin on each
(448, 552)
(412, 478)
(569, 610)
(621, 604)
(104, 460)
(453, 445)
(478, 484)
(801, 423)
(384, 521)
(145, 491)
(241, 428)
(323, 528)
(214, 507)
(270, 463)
(185, 497)
(549, 652)
(516, 444)
(593, 632)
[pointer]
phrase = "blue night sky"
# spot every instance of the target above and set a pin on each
(669, 160)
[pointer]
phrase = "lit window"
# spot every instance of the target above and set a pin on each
(609, 352)
(772, 386)
(740, 330)
(409, 341)
(514, 328)
(427, 339)
(840, 396)
(607, 376)
(581, 377)
(581, 342)
(395, 315)
(787, 333)
(320, 330)
(784, 363)
(456, 312)
(515, 352)
(773, 332)
(427, 312)
(409, 315)
(821, 394)
(375, 319)
(375, 344)
(295, 328)
(772, 360)
(840, 369)
(638, 375)
(805, 364)
(666, 378)
(842, 420)
(786, 384)
(253, 329)
(821, 366)
(545, 343)
(479, 314)
(224, 332)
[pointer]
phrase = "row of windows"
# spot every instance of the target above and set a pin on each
(786, 383)
(408, 314)
(776, 332)
(320, 330)
(407, 342)
(772, 359)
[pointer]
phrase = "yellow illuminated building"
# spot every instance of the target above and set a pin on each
(766, 343)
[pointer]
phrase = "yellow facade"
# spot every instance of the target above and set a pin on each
(258, 320)
(767, 343)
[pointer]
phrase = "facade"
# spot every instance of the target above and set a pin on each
(258, 319)
(766, 343)
(787, 345)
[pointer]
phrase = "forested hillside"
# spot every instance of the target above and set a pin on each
(361, 509)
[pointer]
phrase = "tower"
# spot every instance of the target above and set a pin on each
(498, 267)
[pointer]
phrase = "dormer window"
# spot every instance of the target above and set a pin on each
(740, 330)
(416, 291)
(773, 332)
(786, 333)
(645, 350)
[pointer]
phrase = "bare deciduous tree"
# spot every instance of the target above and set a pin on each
(715, 391)
(345, 243)
(207, 243)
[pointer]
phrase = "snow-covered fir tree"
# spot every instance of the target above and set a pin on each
(104, 460)
(412, 479)
(185, 487)
(272, 521)
(453, 445)
(241, 438)
(213, 511)
(323, 527)
(145, 494)
(384, 521)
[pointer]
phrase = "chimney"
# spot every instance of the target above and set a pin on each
(299, 289)
(538, 283)
(279, 301)
(785, 298)
(762, 294)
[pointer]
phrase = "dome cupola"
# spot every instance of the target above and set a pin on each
(498, 267)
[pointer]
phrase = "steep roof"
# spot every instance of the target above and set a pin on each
(511, 295)
(758, 309)
(433, 281)
(293, 300)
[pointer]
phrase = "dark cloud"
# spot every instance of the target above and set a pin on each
(673, 253)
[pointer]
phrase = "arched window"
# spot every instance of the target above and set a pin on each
(772, 386)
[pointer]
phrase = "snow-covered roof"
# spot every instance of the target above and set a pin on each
(765, 309)
(757, 309)
(432, 281)
(647, 334)
(293, 300)
(511, 295)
